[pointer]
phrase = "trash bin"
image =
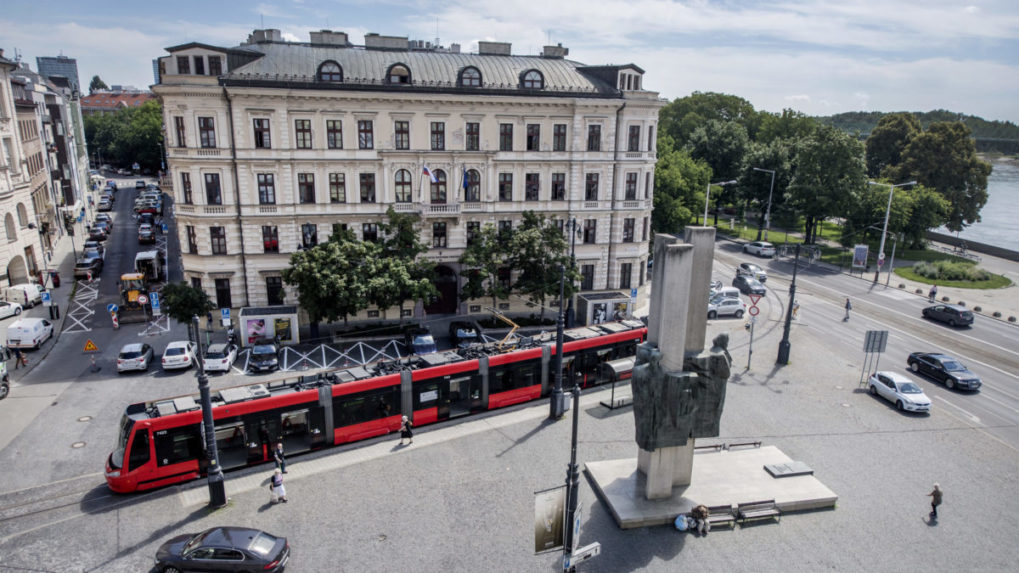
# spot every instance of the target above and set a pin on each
(55, 277)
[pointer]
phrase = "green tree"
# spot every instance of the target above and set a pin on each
(789, 126)
(830, 173)
(331, 278)
(539, 250)
(680, 182)
(929, 211)
(885, 144)
(681, 117)
(127, 135)
(97, 84)
(182, 301)
(756, 186)
(722, 145)
(407, 275)
(482, 259)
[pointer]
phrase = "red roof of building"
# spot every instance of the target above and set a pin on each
(112, 101)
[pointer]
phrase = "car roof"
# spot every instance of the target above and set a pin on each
(230, 536)
(177, 344)
(894, 376)
(218, 347)
(132, 347)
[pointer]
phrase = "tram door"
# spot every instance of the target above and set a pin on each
(302, 430)
(458, 395)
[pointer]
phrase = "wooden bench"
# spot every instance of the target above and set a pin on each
(721, 515)
(750, 511)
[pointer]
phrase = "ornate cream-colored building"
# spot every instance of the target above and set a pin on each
(272, 145)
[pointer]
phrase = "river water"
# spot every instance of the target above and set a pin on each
(999, 219)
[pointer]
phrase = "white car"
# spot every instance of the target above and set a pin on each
(899, 390)
(135, 356)
(760, 248)
(179, 354)
(220, 357)
(726, 306)
(752, 270)
(9, 309)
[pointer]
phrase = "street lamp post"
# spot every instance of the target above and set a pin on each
(884, 231)
(707, 196)
(572, 223)
(217, 487)
(767, 213)
(557, 406)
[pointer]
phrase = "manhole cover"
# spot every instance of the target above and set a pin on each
(78, 445)
(84, 418)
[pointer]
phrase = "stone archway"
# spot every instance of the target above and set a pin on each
(17, 272)
(446, 284)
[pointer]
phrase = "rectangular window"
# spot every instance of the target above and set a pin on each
(628, 226)
(192, 240)
(302, 133)
(207, 132)
(643, 272)
(199, 66)
(337, 188)
(438, 135)
(473, 231)
(215, 65)
(586, 277)
(369, 232)
(185, 184)
(633, 141)
(270, 239)
(334, 134)
(217, 236)
(365, 137)
(533, 136)
(531, 185)
(438, 235)
(559, 137)
(505, 186)
(339, 229)
(558, 186)
(309, 235)
(625, 275)
(631, 187)
(590, 231)
(274, 290)
(196, 282)
(402, 135)
(223, 293)
(594, 138)
(183, 65)
(263, 140)
(643, 234)
(504, 276)
(213, 194)
(505, 228)
(266, 189)
(367, 187)
(591, 187)
(473, 137)
(306, 187)
(178, 126)
(505, 137)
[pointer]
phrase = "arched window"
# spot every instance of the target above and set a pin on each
(403, 191)
(472, 187)
(532, 80)
(12, 234)
(398, 74)
(439, 187)
(330, 71)
(22, 215)
(470, 77)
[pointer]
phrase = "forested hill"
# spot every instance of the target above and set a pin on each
(1001, 136)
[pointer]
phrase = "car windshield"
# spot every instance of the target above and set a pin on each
(953, 366)
(174, 351)
(423, 339)
(466, 332)
(263, 349)
(910, 388)
(262, 543)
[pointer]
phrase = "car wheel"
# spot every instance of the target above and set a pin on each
(914, 366)
(949, 383)
(4, 390)
(739, 314)
(873, 390)
(898, 405)
(951, 322)
(17, 311)
(712, 314)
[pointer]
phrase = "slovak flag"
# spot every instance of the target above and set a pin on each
(466, 184)
(426, 171)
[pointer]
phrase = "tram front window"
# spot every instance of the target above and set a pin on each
(117, 457)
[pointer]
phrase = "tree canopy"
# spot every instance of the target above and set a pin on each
(538, 250)
(830, 174)
(128, 135)
(97, 84)
(182, 301)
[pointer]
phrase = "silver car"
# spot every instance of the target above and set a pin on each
(136, 356)
(726, 306)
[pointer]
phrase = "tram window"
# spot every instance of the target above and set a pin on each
(178, 445)
(426, 395)
(230, 435)
(348, 410)
(513, 376)
(139, 449)
(295, 423)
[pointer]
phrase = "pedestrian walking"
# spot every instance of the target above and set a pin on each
(849, 307)
(933, 294)
(796, 308)
(279, 458)
(20, 359)
(935, 496)
(277, 493)
(406, 432)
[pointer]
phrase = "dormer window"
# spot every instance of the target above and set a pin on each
(330, 72)
(470, 78)
(398, 74)
(532, 80)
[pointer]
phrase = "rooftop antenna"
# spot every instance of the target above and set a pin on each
(436, 32)
(261, 19)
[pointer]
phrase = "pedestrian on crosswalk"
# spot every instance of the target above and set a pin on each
(849, 307)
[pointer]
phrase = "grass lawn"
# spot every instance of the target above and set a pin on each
(996, 281)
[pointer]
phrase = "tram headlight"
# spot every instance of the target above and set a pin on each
(114, 474)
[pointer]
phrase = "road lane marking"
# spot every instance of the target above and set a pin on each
(972, 417)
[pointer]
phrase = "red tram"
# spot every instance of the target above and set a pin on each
(160, 442)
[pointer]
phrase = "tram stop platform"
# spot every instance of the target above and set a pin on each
(720, 477)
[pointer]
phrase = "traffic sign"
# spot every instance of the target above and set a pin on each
(142, 299)
(90, 347)
(154, 299)
(754, 298)
(225, 313)
(112, 308)
(754, 310)
(47, 299)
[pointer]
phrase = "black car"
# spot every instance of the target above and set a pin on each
(84, 267)
(748, 285)
(943, 368)
(953, 314)
(96, 234)
(264, 357)
(419, 340)
(224, 549)
(463, 333)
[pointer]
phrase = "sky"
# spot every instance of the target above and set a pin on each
(819, 57)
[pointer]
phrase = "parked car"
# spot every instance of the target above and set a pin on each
(148, 206)
(419, 340)
(93, 254)
(104, 205)
(943, 368)
(27, 332)
(718, 290)
(179, 354)
(900, 391)
(748, 285)
(760, 248)
(95, 245)
(953, 314)
(147, 218)
(134, 356)
(220, 357)
(463, 333)
(725, 306)
(9, 309)
(86, 267)
(104, 217)
(139, 184)
(146, 234)
(752, 270)
(107, 195)
(97, 234)
(224, 549)
(264, 357)
(27, 294)
(106, 226)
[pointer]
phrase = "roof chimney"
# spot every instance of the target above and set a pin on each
(494, 48)
(555, 52)
(328, 37)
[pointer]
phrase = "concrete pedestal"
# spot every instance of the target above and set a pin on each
(664, 468)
